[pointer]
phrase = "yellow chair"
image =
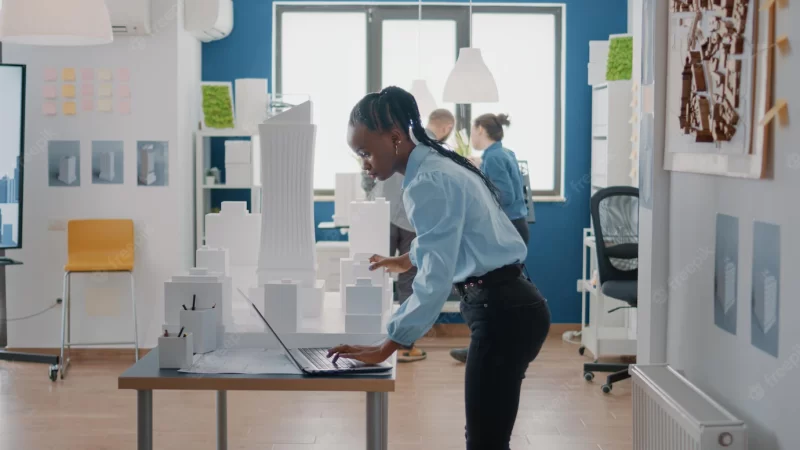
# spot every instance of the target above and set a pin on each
(102, 245)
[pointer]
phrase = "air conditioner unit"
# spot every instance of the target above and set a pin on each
(209, 20)
(130, 17)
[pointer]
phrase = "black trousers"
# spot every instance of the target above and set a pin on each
(508, 325)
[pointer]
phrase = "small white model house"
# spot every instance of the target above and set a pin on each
(235, 229)
(147, 165)
(348, 190)
(238, 163)
(67, 170)
(364, 297)
(282, 306)
(369, 227)
(107, 166)
(213, 259)
(199, 289)
(329, 256)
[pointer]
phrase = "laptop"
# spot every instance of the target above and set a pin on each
(315, 361)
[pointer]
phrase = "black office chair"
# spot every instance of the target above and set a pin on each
(615, 219)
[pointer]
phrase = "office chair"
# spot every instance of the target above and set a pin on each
(615, 219)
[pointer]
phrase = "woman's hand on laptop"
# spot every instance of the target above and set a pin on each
(368, 354)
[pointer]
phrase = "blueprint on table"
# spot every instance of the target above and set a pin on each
(247, 361)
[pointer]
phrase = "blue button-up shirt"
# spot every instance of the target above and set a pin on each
(500, 165)
(461, 232)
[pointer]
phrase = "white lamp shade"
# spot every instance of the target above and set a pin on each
(470, 81)
(55, 22)
(424, 98)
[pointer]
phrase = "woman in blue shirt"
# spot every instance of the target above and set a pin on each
(463, 238)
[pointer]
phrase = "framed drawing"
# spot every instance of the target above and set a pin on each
(217, 105)
(719, 83)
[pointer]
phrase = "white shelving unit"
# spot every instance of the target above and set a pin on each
(611, 134)
(202, 161)
(603, 334)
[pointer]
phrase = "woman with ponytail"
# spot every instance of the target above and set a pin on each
(464, 239)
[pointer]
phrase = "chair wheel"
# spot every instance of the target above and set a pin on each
(588, 376)
(582, 350)
(606, 388)
(53, 372)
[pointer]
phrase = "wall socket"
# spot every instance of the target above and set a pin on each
(56, 225)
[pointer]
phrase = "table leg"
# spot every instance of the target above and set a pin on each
(222, 420)
(377, 420)
(144, 420)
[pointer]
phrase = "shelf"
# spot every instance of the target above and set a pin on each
(226, 133)
(222, 186)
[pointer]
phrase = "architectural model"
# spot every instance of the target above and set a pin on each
(198, 289)
(282, 305)
(213, 259)
(367, 232)
(348, 190)
(238, 164)
(147, 165)
(236, 230)
(66, 170)
(107, 166)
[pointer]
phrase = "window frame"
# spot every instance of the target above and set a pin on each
(376, 13)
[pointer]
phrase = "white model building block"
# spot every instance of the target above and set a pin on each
(237, 230)
(107, 166)
(329, 256)
(365, 298)
(202, 324)
(205, 293)
(175, 352)
(213, 259)
(312, 300)
(66, 170)
(377, 277)
(348, 190)
(238, 174)
(365, 323)
(282, 306)
(346, 278)
(287, 179)
(238, 152)
(147, 165)
(370, 227)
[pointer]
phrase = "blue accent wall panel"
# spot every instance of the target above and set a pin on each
(554, 259)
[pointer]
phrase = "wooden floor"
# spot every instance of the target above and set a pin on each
(559, 410)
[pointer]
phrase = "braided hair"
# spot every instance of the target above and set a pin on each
(394, 107)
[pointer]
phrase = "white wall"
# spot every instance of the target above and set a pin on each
(165, 74)
(757, 387)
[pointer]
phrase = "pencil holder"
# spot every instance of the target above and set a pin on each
(175, 352)
(203, 325)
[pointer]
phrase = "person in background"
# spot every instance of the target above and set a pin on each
(501, 167)
(464, 239)
(440, 125)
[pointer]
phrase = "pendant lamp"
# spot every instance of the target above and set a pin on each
(55, 22)
(470, 81)
(419, 87)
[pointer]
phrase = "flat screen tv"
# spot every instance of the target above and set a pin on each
(12, 145)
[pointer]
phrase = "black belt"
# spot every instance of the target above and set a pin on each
(493, 278)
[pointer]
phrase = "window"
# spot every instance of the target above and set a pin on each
(337, 53)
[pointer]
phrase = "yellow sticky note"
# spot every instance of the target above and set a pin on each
(68, 75)
(104, 105)
(70, 109)
(104, 75)
(105, 90)
(68, 90)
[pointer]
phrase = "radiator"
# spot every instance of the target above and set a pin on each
(669, 413)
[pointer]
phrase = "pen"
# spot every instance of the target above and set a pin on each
(194, 297)
(179, 332)
(184, 308)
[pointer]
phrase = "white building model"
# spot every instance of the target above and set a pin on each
(66, 170)
(107, 166)
(147, 165)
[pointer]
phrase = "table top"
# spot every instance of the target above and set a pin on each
(146, 375)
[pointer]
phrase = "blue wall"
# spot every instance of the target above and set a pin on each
(554, 259)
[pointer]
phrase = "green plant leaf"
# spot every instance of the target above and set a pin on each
(217, 106)
(620, 59)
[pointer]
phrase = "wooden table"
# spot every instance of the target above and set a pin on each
(145, 377)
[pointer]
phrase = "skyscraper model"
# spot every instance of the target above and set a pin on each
(107, 166)
(147, 165)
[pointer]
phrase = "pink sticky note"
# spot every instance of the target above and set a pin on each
(124, 91)
(124, 107)
(49, 91)
(49, 109)
(87, 104)
(50, 75)
(87, 74)
(123, 75)
(87, 90)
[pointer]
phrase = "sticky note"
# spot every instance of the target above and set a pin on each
(104, 105)
(105, 90)
(87, 90)
(124, 75)
(50, 75)
(104, 75)
(70, 108)
(124, 91)
(124, 107)
(68, 75)
(49, 91)
(68, 90)
(87, 74)
(87, 104)
(49, 109)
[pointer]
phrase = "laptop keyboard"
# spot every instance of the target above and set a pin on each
(319, 358)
